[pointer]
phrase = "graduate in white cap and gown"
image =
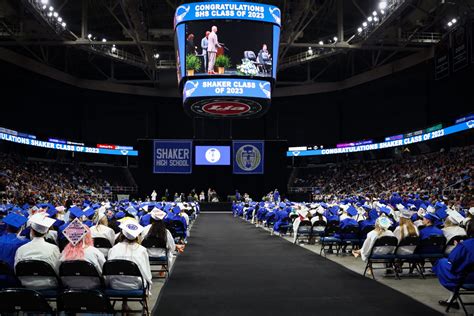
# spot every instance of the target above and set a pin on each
(451, 225)
(39, 249)
(102, 230)
(128, 248)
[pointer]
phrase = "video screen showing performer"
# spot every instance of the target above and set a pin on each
(220, 47)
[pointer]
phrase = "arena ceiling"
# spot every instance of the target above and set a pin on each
(325, 44)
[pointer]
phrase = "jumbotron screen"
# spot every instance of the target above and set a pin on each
(228, 39)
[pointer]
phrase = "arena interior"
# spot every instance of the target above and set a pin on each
(278, 157)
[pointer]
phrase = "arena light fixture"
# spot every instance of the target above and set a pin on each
(450, 23)
(89, 36)
(114, 49)
(359, 29)
(454, 21)
(104, 40)
(50, 14)
(60, 19)
(156, 56)
(55, 14)
(44, 2)
(63, 24)
(44, 7)
(51, 9)
(310, 51)
(382, 5)
(335, 38)
(374, 13)
(364, 24)
(369, 19)
(321, 43)
(376, 19)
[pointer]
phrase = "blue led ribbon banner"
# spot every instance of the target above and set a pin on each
(248, 156)
(66, 147)
(387, 144)
(172, 156)
(248, 88)
(228, 11)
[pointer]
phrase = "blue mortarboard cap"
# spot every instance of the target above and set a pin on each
(282, 205)
(333, 210)
(131, 210)
(15, 220)
(351, 210)
(385, 210)
(432, 217)
(52, 211)
(120, 215)
(96, 206)
(89, 212)
(366, 207)
(441, 213)
(75, 211)
(414, 217)
(373, 215)
(167, 208)
(25, 206)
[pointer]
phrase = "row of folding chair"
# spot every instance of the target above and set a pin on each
(392, 254)
(79, 275)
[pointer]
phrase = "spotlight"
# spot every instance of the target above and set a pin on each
(376, 19)
(156, 56)
(104, 40)
(60, 19)
(450, 23)
(310, 51)
(364, 24)
(369, 19)
(321, 43)
(55, 14)
(44, 1)
(454, 21)
(44, 7)
(374, 13)
(50, 14)
(382, 5)
(63, 24)
(89, 36)
(382, 12)
(114, 49)
(359, 30)
(51, 9)
(335, 38)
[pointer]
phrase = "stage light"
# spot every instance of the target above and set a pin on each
(321, 43)
(50, 14)
(454, 21)
(374, 13)
(44, 7)
(104, 40)
(450, 23)
(310, 51)
(376, 19)
(156, 56)
(63, 24)
(369, 19)
(382, 12)
(44, 1)
(364, 24)
(382, 5)
(359, 30)
(51, 9)
(55, 14)
(114, 49)
(89, 36)
(335, 38)
(60, 19)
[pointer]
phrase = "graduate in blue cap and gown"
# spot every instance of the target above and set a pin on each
(281, 218)
(449, 270)
(430, 229)
(10, 241)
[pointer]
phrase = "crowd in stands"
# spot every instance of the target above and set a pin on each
(402, 231)
(446, 173)
(28, 181)
(103, 234)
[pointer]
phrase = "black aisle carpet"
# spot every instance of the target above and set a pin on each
(233, 268)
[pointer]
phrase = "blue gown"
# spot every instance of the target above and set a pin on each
(9, 243)
(430, 231)
(449, 269)
(281, 219)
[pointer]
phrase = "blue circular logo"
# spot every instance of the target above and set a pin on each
(132, 226)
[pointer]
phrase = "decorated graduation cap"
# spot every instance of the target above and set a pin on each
(40, 222)
(384, 222)
(15, 220)
(75, 231)
(131, 229)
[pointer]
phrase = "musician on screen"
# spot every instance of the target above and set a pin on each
(212, 46)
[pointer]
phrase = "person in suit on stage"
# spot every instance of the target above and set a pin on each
(213, 45)
(204, 46)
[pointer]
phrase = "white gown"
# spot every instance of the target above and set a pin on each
(369, 243)
(102, 231)
(131, 252)
(39, 249)
(161, 252)
(94, 256)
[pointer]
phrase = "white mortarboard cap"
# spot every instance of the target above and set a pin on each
(455, 217)
(384, 222)
(430, 209)
(131, 229)
(157, 214)
(471, 210)
(40, 222)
